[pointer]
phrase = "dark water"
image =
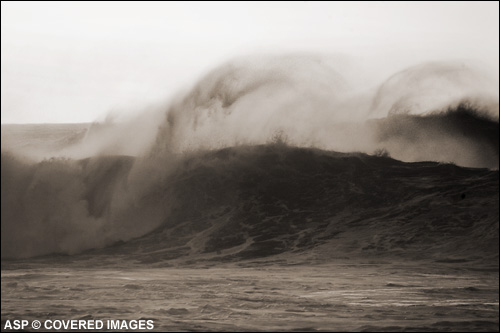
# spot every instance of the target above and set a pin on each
(284, 294)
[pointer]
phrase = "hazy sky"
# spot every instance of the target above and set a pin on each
(75, 62)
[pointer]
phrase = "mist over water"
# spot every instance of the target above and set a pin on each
(328, 102)
(109, 181)
(312, 104)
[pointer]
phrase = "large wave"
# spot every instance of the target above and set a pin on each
(116, 181)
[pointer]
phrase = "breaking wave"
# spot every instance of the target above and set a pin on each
(243, 165)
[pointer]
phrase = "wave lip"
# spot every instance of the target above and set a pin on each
(435, 86)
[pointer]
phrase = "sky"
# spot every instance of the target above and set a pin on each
(65, 62)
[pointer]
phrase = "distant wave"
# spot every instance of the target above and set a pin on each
(434, 86)
(462, 135)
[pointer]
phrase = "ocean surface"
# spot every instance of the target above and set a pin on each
(212, 219)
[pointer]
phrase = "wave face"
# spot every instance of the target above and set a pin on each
(250, 201)
(255, 201)
(242, 165)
